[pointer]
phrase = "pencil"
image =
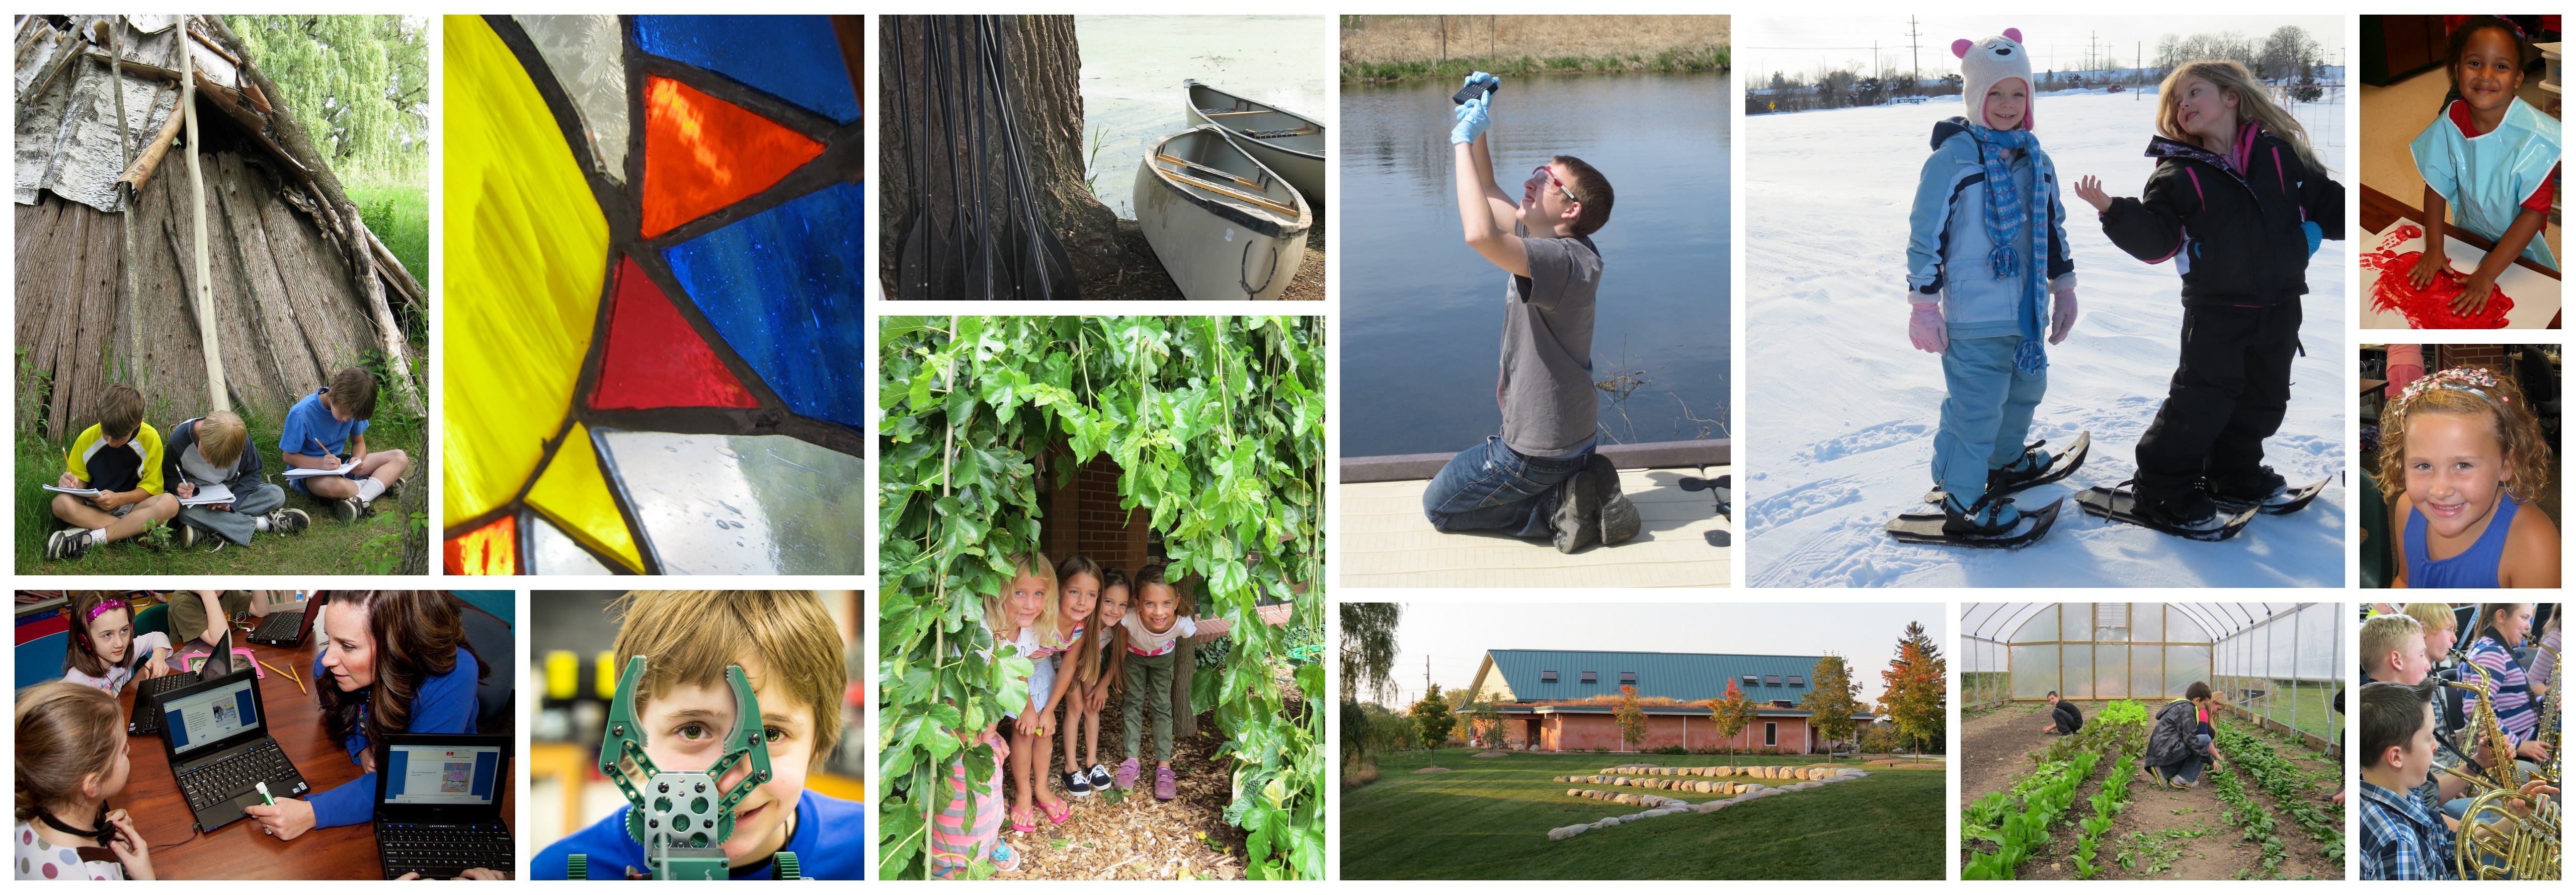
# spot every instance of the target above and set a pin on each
(299, 682)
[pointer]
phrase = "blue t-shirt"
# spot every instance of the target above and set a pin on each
(308, 421)
(445, 704)
(831, 842)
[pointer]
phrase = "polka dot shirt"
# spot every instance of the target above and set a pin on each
(38, 859)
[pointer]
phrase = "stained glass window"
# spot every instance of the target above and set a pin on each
(653, 320)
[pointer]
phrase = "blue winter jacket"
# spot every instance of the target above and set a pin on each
(1946, 248)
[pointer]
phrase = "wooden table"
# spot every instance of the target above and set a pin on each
(239, 850)
(2378, 210)
(2372, 385)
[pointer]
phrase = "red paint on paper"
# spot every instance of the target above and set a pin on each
(2429, 307)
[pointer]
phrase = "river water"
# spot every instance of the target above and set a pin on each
(1132, 67)
(1421, 322)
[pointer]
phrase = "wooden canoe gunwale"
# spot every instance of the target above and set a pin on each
(1263, 225)
(1189, 91)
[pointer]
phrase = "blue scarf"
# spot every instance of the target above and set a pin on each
(2006, 228)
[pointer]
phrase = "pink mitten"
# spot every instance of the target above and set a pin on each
(1927, 329)
(2061, 316)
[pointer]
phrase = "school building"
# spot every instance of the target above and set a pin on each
(1559, 700)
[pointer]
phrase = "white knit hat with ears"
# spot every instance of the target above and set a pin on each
(1983, 63)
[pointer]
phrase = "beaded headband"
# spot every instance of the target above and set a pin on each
(2474, 380)
(102, 609)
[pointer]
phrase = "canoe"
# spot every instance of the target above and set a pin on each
(1289, 143)
(1226, 227)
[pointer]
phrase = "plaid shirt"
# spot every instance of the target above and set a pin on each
(2403, 837)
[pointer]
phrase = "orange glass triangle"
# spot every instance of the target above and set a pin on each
(654, 359)
(490, 550)
(702, 153)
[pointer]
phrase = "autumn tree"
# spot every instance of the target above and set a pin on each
(1431, 716)
(1733, 713)
(1631, 717)
(1917, 696)
(1834, 698)
(1482, 716)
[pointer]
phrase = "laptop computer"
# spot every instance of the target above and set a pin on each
(215, 734)
(289, 628)
(438, 804)
(146, 720)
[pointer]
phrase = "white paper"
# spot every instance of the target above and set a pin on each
(300, 472)
(2535, 295)
(207, 494)
(84, 492)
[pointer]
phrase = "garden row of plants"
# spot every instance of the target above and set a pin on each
(2120, 730)
(2017, 822)
(2252, 756)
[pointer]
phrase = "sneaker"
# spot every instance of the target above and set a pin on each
(1076, 784)
(189, 536)
(1988, 517)
(1619, 519)
(348, 509)
(68, 543)
(2187, 507)
(1576, 519)
(2245, 491)
(1166, 787)
(2032, 464)
(289, 521)
(1127, 774)
(1100, 779)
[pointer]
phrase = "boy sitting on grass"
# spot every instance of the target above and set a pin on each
(213, 450)
(790, 651)
(320, 425)
(1540, 477)
(121, 457)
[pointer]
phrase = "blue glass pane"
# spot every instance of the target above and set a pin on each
(795, 57)
(784, 288)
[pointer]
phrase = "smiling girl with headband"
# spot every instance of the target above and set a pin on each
(2464, 458)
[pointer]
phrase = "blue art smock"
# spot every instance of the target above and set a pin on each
(2486, 178)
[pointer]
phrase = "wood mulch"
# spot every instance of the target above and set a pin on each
(1130, 835)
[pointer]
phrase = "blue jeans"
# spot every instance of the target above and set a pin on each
(1986, 415)
(2187, 770)
(1490, 486)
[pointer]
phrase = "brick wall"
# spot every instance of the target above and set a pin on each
(1581, 733)
(2491, 357)
(1084, 518)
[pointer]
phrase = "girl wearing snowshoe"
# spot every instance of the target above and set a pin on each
(2238, 202)
(2462, 463)
(1985, 253)
(2490, 160)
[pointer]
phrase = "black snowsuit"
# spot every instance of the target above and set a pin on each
(2232, 227)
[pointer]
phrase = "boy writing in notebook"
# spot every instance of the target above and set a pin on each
(213, 451)
(327, 430)
(120, 458)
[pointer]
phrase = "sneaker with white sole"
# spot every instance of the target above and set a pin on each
(1076, 784)
(189, 536)
(68, 543)
(289, 521)
(1100, 778)
(348, 509)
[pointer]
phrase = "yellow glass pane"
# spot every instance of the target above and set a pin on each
(573, 491)
(526, 251)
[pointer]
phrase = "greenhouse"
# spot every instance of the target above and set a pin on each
(2279, 663)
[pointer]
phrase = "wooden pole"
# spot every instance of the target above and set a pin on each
(1229, 192)
(208, 331)
(125, 191)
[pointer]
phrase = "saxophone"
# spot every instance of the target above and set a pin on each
(2491, 843)
(2549, 708)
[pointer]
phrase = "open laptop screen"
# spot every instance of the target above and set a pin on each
(441, 775)
(201, 719)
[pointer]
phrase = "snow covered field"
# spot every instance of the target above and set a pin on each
(1841, 410)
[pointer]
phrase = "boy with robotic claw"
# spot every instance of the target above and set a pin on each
(727, 698)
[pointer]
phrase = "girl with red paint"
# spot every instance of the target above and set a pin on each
(2238, 202)
(2490, 161)
(2463, 465)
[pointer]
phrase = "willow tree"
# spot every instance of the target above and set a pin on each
(359, 84)
(1216, 424)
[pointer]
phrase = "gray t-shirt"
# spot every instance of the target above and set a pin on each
(1550, 408)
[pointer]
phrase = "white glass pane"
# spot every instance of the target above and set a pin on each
(588, 57)
(2146, 672)
(2034, 671)
(2147, 622)
(2317, 642)
(2078, 676)
(2110, 672)
(2183, 665)
(2041, 626)
(2179, 627)
(742, 504)
(551, 552)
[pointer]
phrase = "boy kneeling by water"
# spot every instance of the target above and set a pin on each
(1540, 477)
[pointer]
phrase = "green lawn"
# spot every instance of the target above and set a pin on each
(1488, 819)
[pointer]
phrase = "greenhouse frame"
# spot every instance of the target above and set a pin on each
(2279, 664)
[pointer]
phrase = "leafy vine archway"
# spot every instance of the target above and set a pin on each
(1217, 426)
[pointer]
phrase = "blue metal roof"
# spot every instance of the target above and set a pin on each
(1688, 677)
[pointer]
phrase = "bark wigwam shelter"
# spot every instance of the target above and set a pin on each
(211, 264)
(1563, 700)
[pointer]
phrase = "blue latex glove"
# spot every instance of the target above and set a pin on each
(1472, 121)
(2315, 236)
(1483, 78)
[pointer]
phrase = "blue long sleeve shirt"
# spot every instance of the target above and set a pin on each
(445, 704)
(831, 842)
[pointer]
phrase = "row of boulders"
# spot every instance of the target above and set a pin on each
(1721, 787)
(1758, 772)
(1658, 806)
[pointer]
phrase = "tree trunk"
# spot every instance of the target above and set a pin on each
(1042, 70)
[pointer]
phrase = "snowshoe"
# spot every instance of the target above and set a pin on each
(2011, 479)
(2281, 502)
(2118, 505)
(1930, 528)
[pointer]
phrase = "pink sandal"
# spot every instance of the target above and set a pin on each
(1063, 811)
(1022, 823)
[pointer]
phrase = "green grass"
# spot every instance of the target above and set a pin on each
(1705, 59)
(399, 215)
(2313, 699)
(1488, 819)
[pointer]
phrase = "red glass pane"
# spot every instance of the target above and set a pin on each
(702, 153)
(490, 550)
(654, 359)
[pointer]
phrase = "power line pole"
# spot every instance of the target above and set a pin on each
(1914, 32)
